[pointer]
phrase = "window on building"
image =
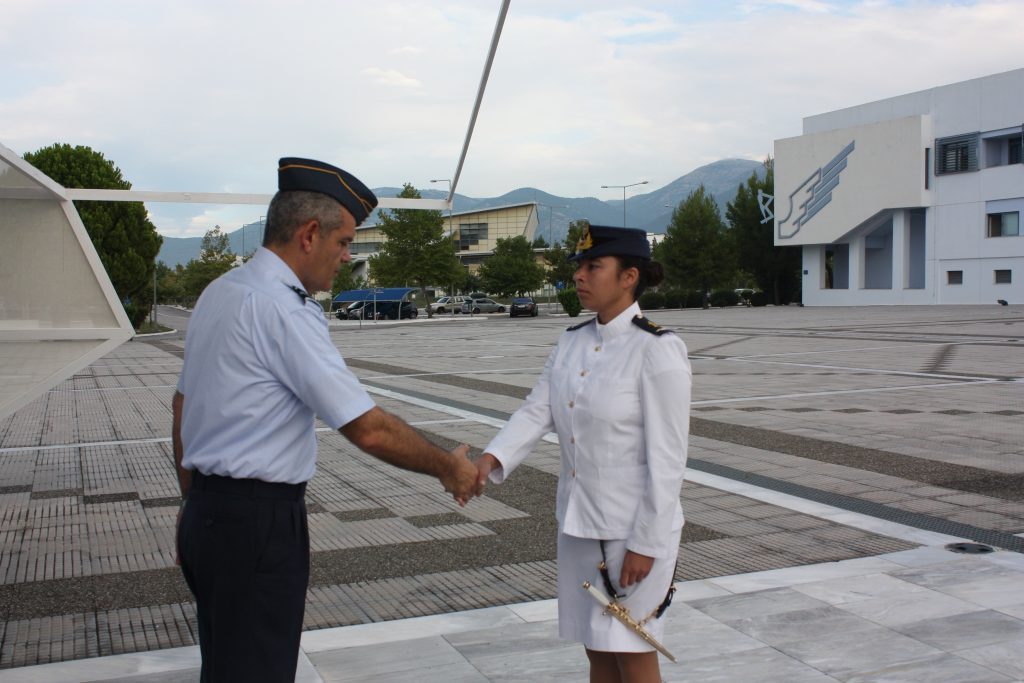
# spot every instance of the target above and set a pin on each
(1004, 277)
(363, 248)
(954, 277)
(1004, 224)
(956, 154)
(1001, 150)
(471, 234)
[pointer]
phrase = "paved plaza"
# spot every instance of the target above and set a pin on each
(834, 453)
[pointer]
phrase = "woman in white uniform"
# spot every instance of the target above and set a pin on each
(616, 390)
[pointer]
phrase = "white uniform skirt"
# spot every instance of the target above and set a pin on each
(581, 618)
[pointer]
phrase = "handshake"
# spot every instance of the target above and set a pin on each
(465, 479)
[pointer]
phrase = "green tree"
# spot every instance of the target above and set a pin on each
(539, 242)
(469, 282)
(560, 269)
(512, 269)
(697, 252)
(574, 233)
(776, 270)
(216, 247)
(168, 283)
(215, 259)
(416, 250)
(346, 280)
(124, 238)
(570, 301)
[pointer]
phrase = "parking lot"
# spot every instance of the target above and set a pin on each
(818, 435)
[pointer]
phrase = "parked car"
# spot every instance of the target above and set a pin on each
(350, 311)
(745, 295)
(522, 305)
(391, 310)
(446, 304)
(482, 306)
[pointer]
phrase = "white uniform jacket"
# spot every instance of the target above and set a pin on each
(618, 396)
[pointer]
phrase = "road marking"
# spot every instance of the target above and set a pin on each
(877, 371)
(863, 348)
(808, 507)
(837, 392)
(167, 439)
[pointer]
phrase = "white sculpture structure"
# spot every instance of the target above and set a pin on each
(58, 310)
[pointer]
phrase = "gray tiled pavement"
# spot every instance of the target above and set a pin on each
(917, 409)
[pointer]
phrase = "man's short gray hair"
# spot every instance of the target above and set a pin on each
(288, 210)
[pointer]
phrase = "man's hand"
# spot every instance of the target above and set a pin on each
(635, 568)
(392, 440)
(460, 479)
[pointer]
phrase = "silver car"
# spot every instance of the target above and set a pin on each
(482, 306)
(446, 304)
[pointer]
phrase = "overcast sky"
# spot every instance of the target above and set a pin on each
(205, 95)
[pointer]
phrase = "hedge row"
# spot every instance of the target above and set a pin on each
(695, 299)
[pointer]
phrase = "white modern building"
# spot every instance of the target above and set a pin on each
(914, 199)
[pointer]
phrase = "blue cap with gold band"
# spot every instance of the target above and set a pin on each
(310, 175)
(601, 240)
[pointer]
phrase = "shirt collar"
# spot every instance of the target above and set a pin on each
(619, 323)
(275, 268)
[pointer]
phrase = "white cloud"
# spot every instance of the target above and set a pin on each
(391, 77)
(407, 50)
(204, 96)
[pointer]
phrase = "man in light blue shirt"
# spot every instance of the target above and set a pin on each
(259, 367)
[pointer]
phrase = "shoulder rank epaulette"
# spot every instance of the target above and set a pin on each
(303, 294)
(649, 326)
(582, 324)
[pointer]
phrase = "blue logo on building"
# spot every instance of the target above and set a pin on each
(810, 197)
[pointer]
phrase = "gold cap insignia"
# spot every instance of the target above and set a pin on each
(585, 242)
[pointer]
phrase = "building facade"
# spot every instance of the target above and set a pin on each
(914, 199)
(476, 233)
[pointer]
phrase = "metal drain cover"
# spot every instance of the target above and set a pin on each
(970, 548)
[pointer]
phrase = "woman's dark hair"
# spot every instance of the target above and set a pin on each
(651, 272)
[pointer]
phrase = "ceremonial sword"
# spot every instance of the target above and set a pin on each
(620, 612)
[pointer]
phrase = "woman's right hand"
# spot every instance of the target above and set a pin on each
(484, 465)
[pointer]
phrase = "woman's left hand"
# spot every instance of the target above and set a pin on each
(635, 568)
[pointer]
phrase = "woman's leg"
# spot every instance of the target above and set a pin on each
(638, 667)
(604, 667)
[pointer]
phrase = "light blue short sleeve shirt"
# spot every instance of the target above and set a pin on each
(259, 366)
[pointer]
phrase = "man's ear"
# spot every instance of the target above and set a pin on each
(305, 233)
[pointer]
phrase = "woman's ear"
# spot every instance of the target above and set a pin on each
(629, 277)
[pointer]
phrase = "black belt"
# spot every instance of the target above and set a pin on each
(253, 488)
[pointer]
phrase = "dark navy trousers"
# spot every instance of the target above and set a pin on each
(244, 549)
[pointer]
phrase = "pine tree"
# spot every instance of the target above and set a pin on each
(697, 251)
(776, 270)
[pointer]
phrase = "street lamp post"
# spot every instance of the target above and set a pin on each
(451, 235)
(551, 210)
(551, 237)
(642, 182)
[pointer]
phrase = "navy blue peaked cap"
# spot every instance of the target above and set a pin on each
(309, 175)
(601, 240)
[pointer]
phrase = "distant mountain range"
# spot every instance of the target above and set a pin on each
(651, 211)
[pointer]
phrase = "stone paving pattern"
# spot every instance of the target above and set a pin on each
(875, 404)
